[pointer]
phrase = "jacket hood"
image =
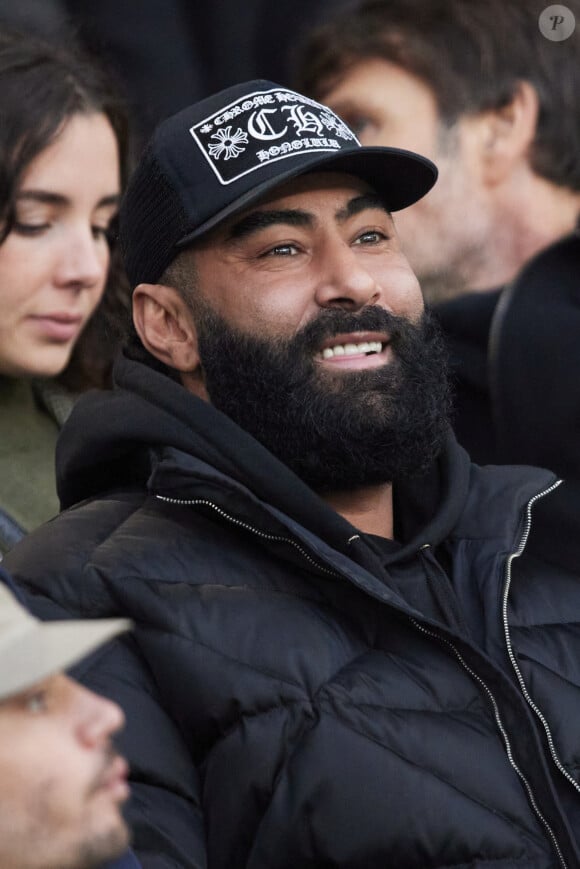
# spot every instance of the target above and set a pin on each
(110, 438)
(534, 362)
(466, 321)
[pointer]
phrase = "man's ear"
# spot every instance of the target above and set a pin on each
(505, 135)
(165, 326)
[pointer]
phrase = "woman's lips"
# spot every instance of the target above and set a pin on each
(58, 327)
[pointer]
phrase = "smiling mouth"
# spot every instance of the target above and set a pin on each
(366, 348)
(362, 350)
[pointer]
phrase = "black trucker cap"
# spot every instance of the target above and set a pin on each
(220, 155)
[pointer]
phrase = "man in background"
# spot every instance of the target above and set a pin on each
(63, 784)
(493, 101)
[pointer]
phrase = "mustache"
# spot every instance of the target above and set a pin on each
(334, 321)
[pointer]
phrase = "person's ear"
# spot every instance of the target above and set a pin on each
(506, 134)
(165, 326)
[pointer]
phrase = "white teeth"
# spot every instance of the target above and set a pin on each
(352, 349)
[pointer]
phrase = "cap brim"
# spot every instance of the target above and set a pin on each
(46, 648)
(399, 177)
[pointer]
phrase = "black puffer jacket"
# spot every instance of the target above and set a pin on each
(286, 706)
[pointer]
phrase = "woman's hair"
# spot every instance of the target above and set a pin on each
(42, 86)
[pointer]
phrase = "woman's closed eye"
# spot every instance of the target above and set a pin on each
(29, 228)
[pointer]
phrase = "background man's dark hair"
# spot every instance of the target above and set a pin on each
(471, 55)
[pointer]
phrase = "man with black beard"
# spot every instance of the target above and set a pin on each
(353, 648)
(335, 433)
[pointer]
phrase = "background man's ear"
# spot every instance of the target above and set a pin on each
(165, 326)
(507, 133)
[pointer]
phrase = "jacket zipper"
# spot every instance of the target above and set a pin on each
(275, 538)
(503, 732)
(512, 657)
(288, 540)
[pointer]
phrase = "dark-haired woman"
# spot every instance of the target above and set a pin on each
(63, 155)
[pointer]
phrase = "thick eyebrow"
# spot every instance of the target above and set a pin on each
(257, 220)
(361, 203)
(45, 197)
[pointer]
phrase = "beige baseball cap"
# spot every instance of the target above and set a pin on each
(31, 650)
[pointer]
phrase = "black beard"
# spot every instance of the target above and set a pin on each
(341, 430)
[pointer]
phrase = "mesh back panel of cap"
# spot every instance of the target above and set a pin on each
(152, 220)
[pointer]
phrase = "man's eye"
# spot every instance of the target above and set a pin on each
(357, 123)
(373, 236)
(37, 702)
(282, 250)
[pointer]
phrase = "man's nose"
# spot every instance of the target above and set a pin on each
(344, 281)
(97, 717)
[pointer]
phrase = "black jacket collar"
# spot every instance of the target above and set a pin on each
(110, 438)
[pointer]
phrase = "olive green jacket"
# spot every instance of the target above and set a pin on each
(30, 418)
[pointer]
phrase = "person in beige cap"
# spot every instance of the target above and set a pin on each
(62, 782)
